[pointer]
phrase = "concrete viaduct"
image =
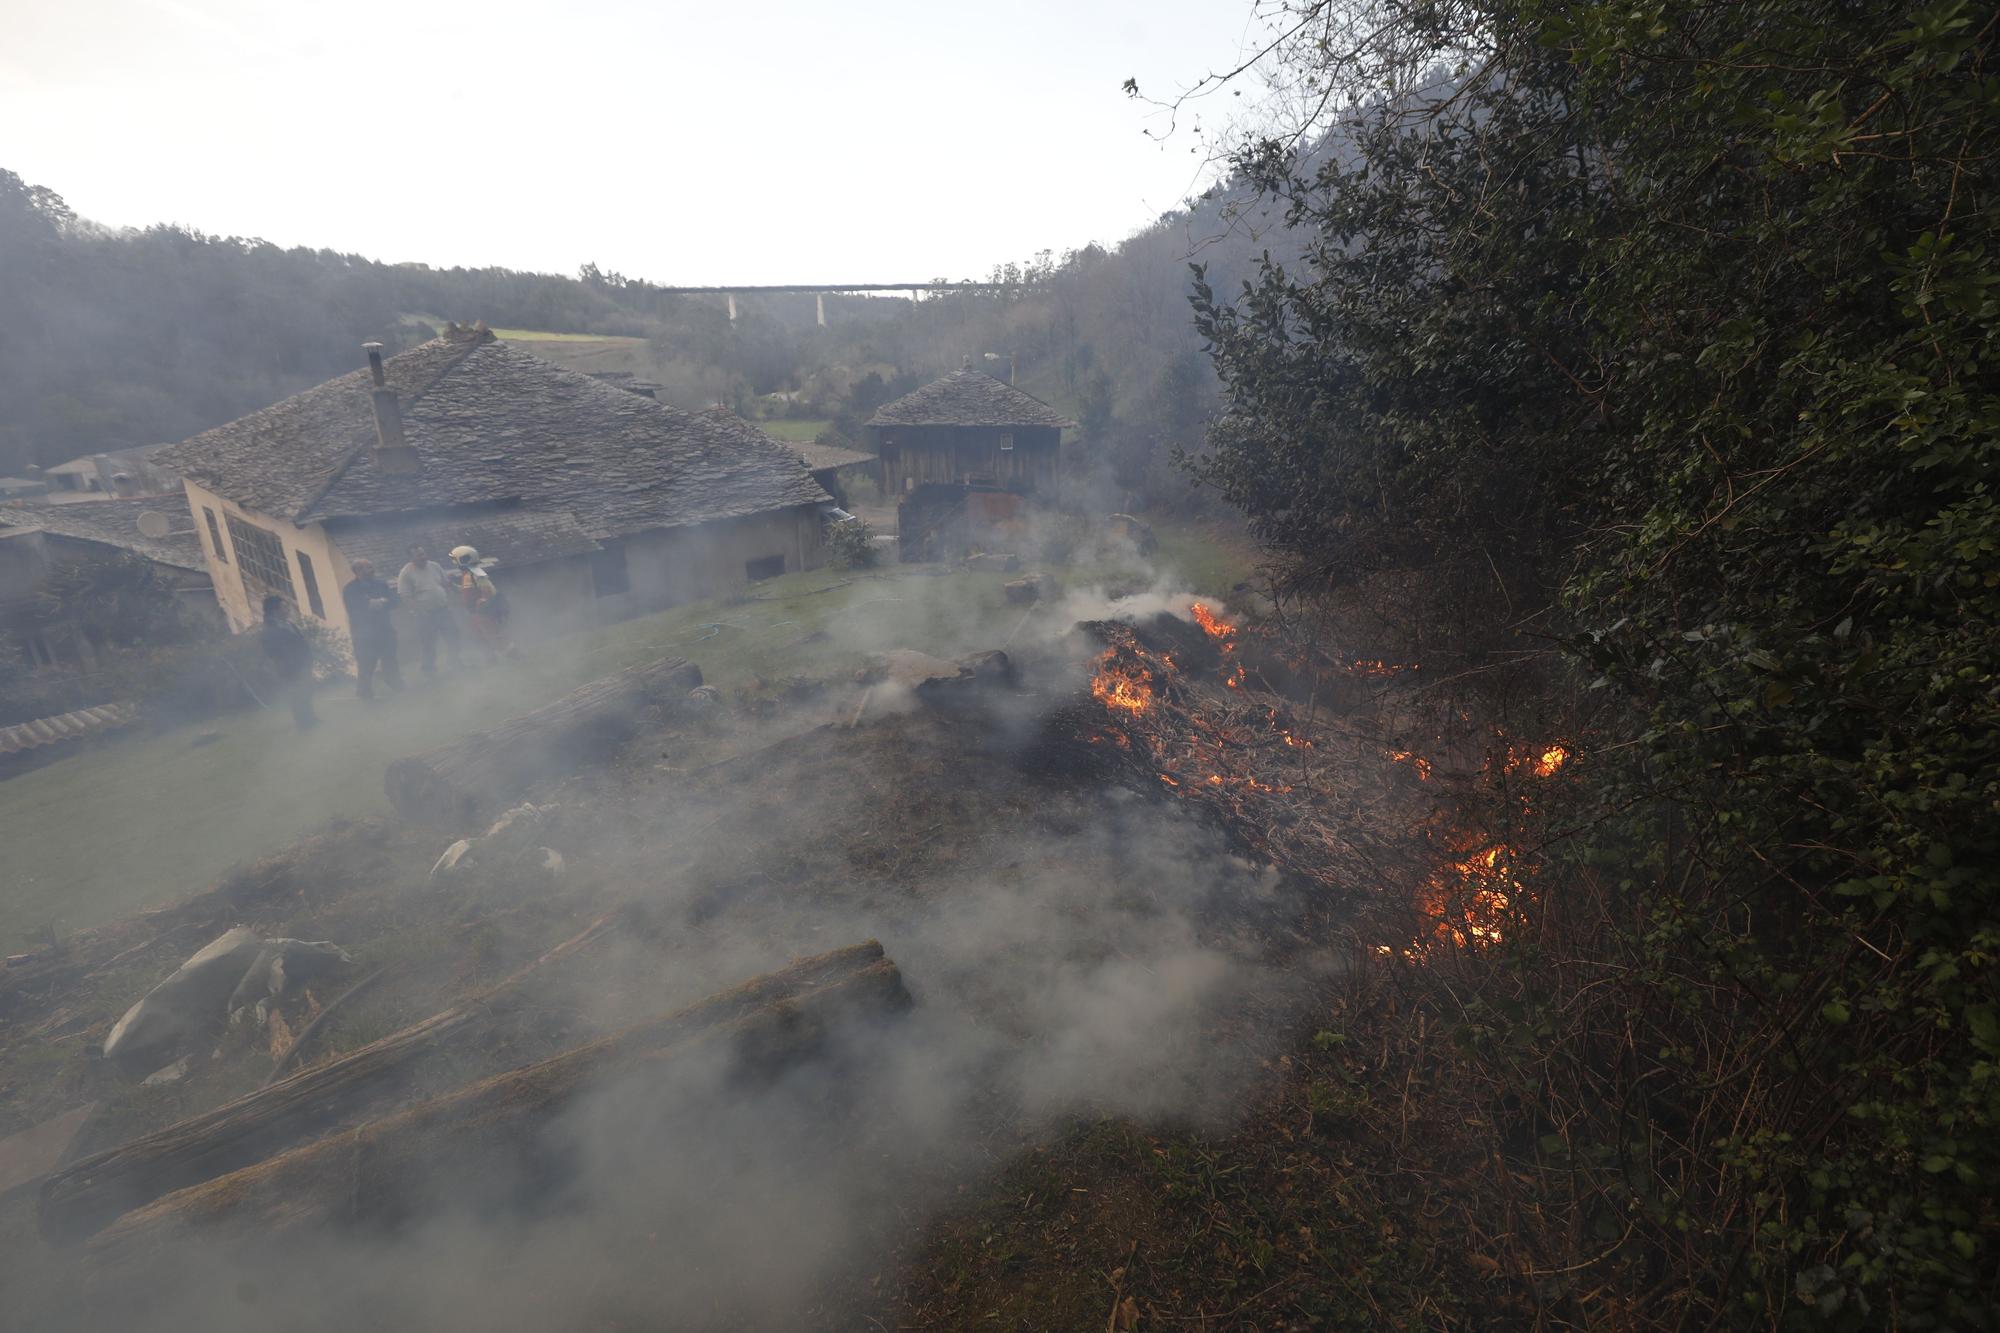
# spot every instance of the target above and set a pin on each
(820, 291)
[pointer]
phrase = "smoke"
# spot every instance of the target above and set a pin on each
(1165, 593)
(1073, 952)
(1098, 965)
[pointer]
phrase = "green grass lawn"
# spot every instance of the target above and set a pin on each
(150, 818)
(802, 432)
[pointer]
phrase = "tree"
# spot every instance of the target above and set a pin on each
(1678, 321)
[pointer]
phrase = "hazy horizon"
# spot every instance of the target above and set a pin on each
(687, 147)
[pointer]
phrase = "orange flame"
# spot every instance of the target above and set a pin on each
(1121, 688)
(1378, 669)
(1469, 899)
(1214, 628)
(1542, 763)
(1418, 762)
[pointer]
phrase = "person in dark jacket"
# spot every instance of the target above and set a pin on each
(291, 660)
(369, 602)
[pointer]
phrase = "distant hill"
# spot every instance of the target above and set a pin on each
(117, 338)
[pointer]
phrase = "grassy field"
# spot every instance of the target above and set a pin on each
(802, 432)
(148, 819)
(588, 352)
(539, 336)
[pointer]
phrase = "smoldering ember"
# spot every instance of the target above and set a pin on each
(1408, 745)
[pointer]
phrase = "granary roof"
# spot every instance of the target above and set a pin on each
(491, 424)
(968, 398)
(113, 523)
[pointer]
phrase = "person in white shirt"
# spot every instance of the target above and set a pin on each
(425, 587)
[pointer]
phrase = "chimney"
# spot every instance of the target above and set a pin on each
(393, 454)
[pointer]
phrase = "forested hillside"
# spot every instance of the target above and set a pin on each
(119, 339)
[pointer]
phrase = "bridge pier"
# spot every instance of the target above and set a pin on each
(819, 306)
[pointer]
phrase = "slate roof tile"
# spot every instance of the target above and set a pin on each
(492, 424)
(968, 398)
(507, 538)
(114, 523)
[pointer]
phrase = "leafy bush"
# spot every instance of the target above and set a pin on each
(851, 545)
(1677, 324)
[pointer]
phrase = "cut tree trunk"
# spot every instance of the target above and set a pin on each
(90, 1193)
(35, 983)
(458, 784)
(453, 1148)
(93, 1190)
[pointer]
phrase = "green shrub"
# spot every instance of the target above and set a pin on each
(1673, 335)
(851, 545)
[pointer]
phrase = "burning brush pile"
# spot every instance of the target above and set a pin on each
(1282, 747)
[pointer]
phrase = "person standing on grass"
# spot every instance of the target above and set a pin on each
(369, 602)
(425, 588)
(291, 660)
(485, 606)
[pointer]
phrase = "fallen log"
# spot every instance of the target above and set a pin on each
(91, 1192)
(318, 1025)
(458, 784)
(33, 983)
(489, 1136)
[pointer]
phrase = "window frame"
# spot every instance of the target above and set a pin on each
(257, 565)
(215, 535)
(310, 578)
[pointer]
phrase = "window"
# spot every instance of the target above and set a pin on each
(1007, 443)
(608, 572)
(261, 558)
(764, 567)
(215, 535)
(312, 586)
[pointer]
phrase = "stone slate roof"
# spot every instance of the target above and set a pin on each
(115, 523)
(507, 538)
(820, 457)
(67, 727)
(138, 453)
(968, 398)
(492, 424)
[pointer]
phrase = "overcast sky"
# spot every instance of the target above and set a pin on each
(785, 141)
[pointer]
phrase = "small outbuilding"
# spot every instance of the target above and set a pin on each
(969, 429)
(42, 543)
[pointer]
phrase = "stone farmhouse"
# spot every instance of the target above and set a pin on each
(590, 502)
